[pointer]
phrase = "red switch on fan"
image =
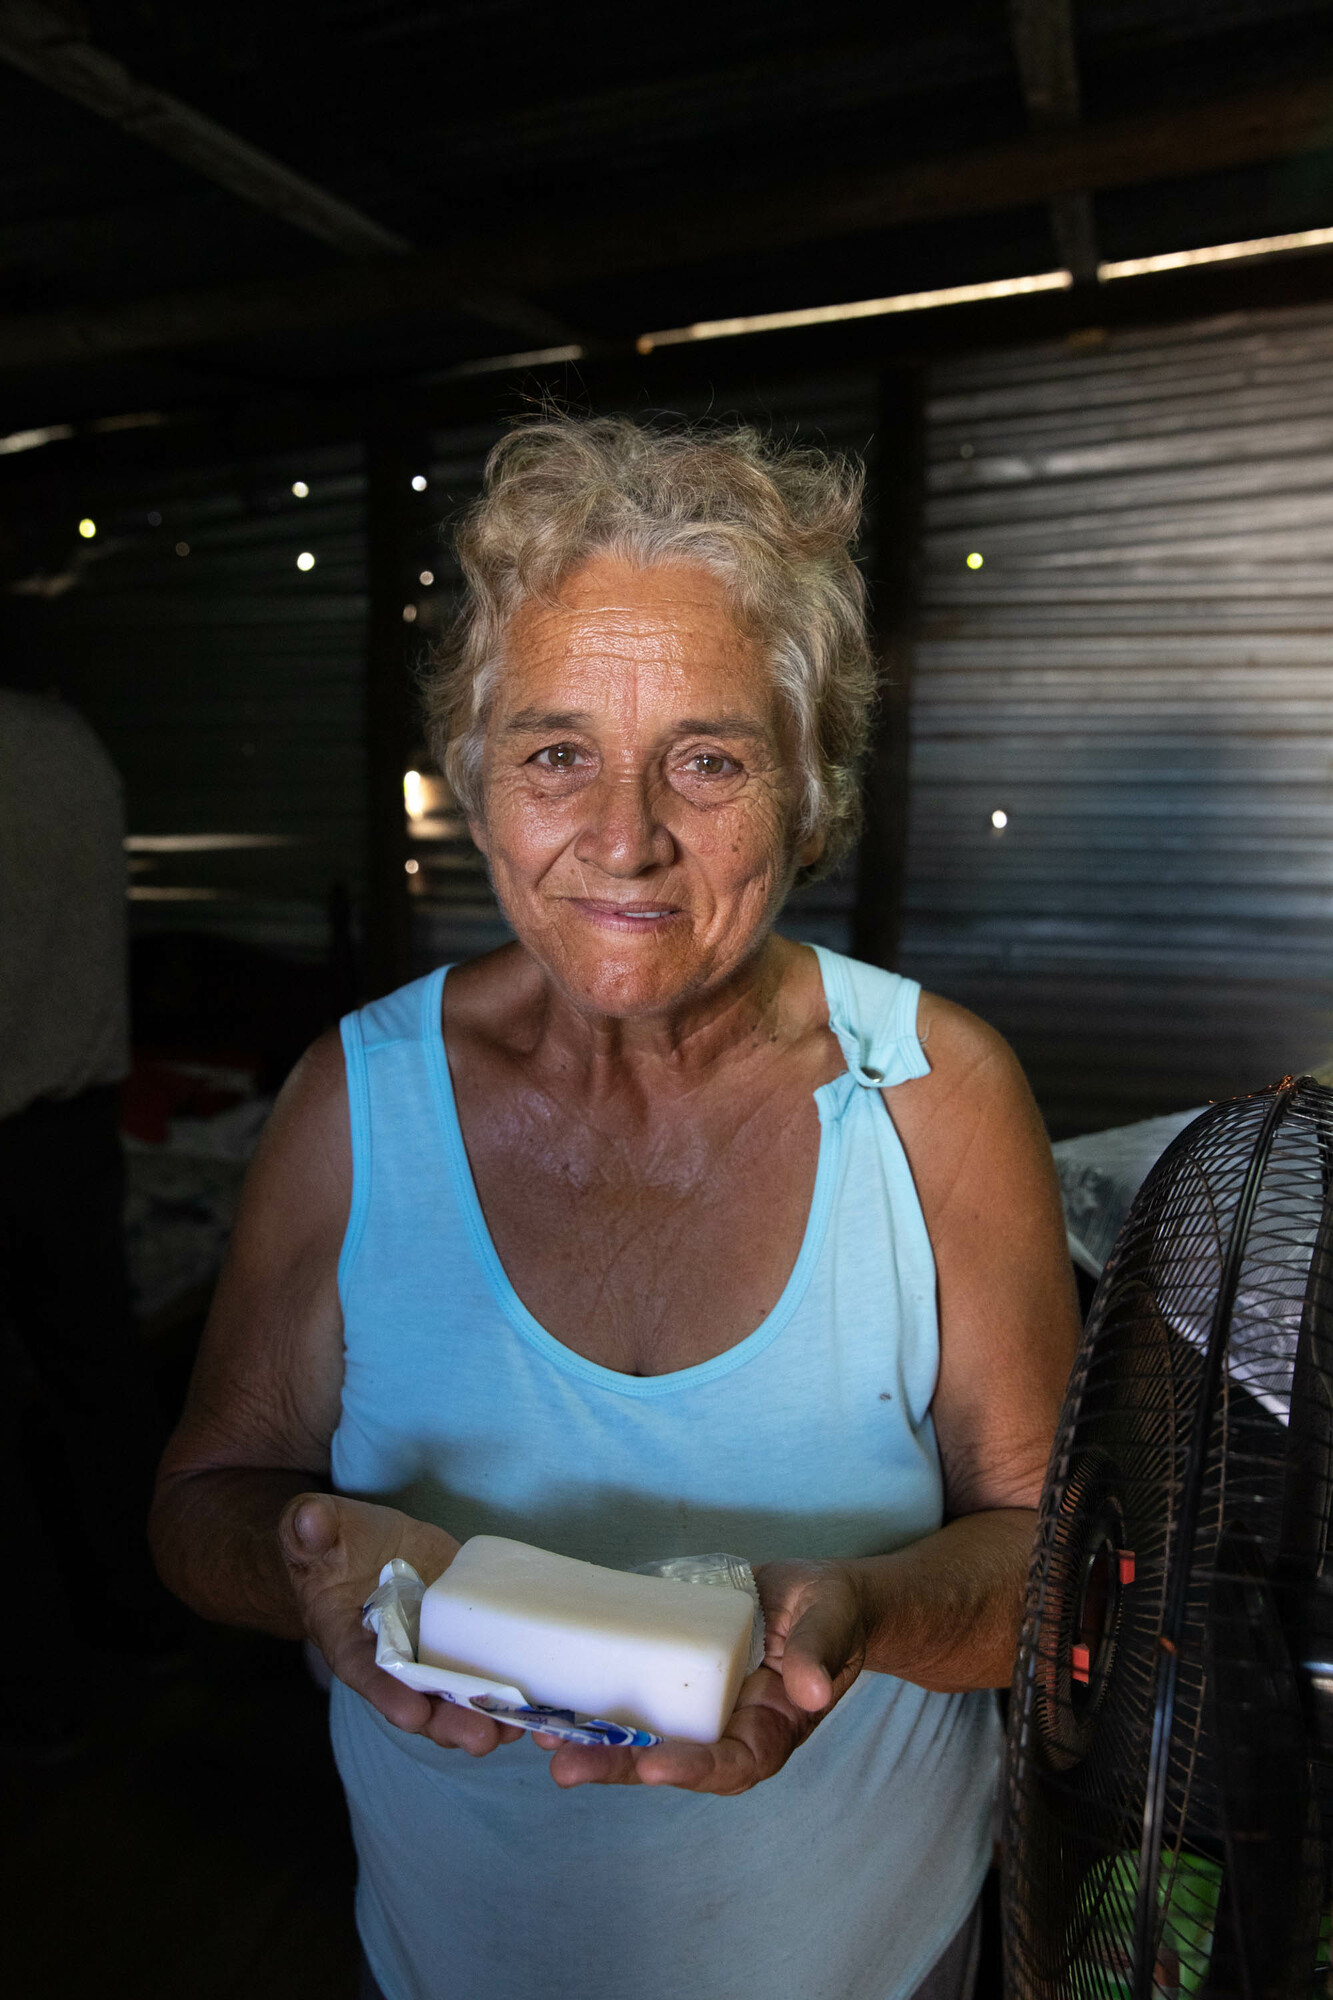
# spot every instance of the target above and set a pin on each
(1080, 1664)
(1126, 1566)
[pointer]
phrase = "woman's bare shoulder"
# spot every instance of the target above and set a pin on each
(964, 1052)
(974, 1110)
(953, 1034)
(488, 997)
(308, 1135)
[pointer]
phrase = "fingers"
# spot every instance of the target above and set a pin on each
(308, 1528)
(310, 1533)
(334, 1549)
(816, 1639)
(592, 1764)
(764, 1729)
(402, 1706)
(350, 1653)
(453, 1727)
(819, 1659)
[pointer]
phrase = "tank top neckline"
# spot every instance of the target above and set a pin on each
(829, 1097)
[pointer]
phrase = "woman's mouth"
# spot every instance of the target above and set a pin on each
(626, 916)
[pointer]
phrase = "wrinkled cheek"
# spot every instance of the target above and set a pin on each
(523, 847)
(748, 856)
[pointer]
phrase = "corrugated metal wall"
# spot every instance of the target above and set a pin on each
(227, 685)
(1139, 674)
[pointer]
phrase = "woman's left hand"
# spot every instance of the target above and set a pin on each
(816, 1644)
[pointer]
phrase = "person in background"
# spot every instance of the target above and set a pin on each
(70, 1349)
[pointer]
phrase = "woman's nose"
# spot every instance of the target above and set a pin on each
(624, 833)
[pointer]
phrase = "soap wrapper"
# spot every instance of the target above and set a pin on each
(393, 1614)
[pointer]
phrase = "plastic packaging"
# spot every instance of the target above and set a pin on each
(393, 1614)
(724, 1572)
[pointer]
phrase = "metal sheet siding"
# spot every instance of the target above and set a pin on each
(227, 686)
(1140, 674)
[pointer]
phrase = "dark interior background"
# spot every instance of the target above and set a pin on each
(273, 280)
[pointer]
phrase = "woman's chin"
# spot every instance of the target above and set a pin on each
(609, 972)
(626, 990)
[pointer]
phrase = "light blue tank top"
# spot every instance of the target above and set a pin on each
(846, 1875)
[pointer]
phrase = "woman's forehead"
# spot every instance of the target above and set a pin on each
(607, 592)
(666, 586)
(669, 630)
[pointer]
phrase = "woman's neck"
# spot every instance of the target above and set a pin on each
(769, 998)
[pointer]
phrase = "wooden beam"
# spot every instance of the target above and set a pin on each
(1043, 38)
(1204, 138)
(97, 458)
(357, 294)
(899, 490)
(43, 41)
(475, 277)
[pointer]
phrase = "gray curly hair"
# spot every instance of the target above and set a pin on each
(776, 524)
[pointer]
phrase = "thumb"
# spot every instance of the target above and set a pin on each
(309, 1528)
(820, 1647)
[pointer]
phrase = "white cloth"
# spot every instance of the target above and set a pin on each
(64, 1005)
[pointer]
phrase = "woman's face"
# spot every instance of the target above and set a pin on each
(639, 794)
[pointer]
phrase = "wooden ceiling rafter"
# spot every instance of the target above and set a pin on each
(46, 42)
(1261, 125)
(1043, 38)
(98, 456)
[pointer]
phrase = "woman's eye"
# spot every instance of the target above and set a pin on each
(710, 764)
(558, 757)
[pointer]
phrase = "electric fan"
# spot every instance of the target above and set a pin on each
(1169, 1781)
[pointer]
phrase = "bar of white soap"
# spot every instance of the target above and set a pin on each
(658, 1655)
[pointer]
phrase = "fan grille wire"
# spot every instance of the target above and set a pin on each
(1138, 1420)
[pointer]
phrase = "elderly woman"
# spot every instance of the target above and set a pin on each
(651, 1233)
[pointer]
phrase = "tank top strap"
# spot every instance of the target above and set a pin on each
(399, 1016)
(394, 1030)
(873, 1014)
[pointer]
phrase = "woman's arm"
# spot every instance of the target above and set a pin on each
(263, 1399)
(946, 1611)
(243, 1527)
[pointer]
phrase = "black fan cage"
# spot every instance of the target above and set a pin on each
(1168, 1825)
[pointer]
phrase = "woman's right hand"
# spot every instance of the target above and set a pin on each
(334, 1550)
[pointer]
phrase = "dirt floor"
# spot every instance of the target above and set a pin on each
(195, 1849)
